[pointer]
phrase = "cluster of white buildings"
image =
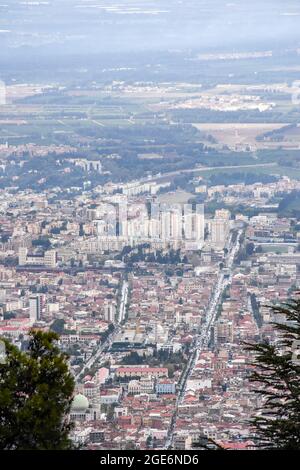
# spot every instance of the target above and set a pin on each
(48, 259)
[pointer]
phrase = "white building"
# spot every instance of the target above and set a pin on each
(48, 259)
(219, 229)
(81, 411)
(109, 312)
(165, 386)
(35, 308)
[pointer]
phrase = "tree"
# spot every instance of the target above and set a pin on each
(277, 378)
(132, 358)
(36, 390)
(58, 326)
(250, 249)
(149, 442)
(43, 242)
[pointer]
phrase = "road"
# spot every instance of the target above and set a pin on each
(106, 344)
(202, 340)
(123, 302)
(166, 176)
(94, 358)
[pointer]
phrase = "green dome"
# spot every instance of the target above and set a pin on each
(80, 402)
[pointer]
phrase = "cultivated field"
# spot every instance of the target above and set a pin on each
(236, 135)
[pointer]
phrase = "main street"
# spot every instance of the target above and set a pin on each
(123, 302)
(121, 314)
(96, 356)
(202, 340)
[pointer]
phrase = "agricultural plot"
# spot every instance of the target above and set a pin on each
(237, 135)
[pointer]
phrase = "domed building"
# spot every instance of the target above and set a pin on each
(81, 409)
(80, 402)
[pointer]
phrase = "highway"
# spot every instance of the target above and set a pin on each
(202, 340)
(201, 169)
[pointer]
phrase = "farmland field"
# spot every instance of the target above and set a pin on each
(237, 134)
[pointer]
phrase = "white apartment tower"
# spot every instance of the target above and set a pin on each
(109, 312)
(219, 232)
(35, 308)
(194, 226)
(50, 258)
(23, 251)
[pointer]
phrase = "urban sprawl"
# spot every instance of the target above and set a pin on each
(153, 302)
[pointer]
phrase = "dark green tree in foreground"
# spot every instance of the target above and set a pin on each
(277, 379)
(276, 375)
(36, 390)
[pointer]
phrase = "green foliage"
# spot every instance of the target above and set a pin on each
(132, 359)
(240, 177)
(141, 254)
(58, 326)
(289, 205)
(250, 249)
(276, 377)
(43, 242)
(36, 390)
(256, 310)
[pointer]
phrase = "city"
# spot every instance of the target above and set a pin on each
(149, 226)
(153, 325)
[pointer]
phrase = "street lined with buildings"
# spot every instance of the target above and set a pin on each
(152, 303)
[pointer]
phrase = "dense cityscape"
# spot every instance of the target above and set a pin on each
(149, 214)
(153, 326)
